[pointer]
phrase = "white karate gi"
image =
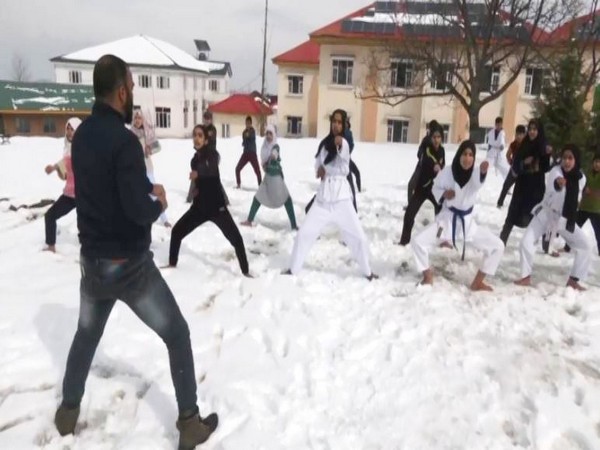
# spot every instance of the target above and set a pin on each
(496, 155)
(464, 201)
(333, 205)
(548, 220)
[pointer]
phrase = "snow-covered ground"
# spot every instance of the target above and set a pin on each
(325, 360)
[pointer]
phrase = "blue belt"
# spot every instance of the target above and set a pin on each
(460, 214)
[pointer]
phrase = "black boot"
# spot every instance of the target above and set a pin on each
(195, 430)
(65, 419)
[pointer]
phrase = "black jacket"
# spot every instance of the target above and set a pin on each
(114, 211)
(530, 184)
(428, 160)
(249, 140)
(212, 135)
(211, 195)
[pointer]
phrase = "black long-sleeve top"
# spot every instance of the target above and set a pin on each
(114, 210)
(211, 195)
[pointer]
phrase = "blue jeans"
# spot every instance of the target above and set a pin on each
(138, 283)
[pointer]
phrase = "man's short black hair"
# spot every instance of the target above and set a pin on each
(110, 72)
(248, 119)
(520, 129)
(499, 120)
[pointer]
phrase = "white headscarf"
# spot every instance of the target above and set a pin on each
(267, 147)
(74, 122)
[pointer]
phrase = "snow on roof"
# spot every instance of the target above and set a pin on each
(145, 51)
(22, 96)
(406, 18)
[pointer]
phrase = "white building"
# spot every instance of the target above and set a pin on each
(171, 86)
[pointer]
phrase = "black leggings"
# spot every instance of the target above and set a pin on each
(414, 205)
(193, 218)
(63, 206)
(508, 182)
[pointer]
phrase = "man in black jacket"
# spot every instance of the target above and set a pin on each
(114, 216)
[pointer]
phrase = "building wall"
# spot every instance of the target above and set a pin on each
(370, 122)
(185, 88)
(237, 124)
(9, 120)
(332, 96)
(303, 105)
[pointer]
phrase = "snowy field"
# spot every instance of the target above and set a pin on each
(325, 360)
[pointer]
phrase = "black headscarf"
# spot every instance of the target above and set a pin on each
(329, 142)
(462, 176)
(535, 147)
(569, 211)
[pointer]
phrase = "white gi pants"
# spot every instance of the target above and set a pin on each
(497, 159)
(577, 240)
(343, 215)
(482, 239)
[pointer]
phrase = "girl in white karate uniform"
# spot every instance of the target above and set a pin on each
(496, 140)
(557, 213)
(456, 187)
(333, 203)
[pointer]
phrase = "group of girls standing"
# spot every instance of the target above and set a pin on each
(545, 200)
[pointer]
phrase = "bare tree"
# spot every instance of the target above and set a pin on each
(578, 39)
(468, 50)
(20, 68)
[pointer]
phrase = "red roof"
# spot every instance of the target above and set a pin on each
(243, 104)
(565, 31)
(305, 53)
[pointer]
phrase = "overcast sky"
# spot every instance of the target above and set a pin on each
(41, 29)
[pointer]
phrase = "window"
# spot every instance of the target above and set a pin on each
(195, 84)
(397, 131)
(446, 129)
(442, 78)
(294, 126)
(163, 117)
(491, 79)
(213, 85)
(75, 76)
(535, 79)
(295, 84)
(402, 74)
(225, 130)
(162, 82)
(342, 71)
(23, 125)
(49, 125)
(195, 110)
(186, 109)
(145, 81)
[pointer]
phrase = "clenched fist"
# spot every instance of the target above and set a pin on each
(449, 194)
(483, 168)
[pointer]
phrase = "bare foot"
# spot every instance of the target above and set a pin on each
(526, 281)
(168, 225)
(246, 223)
(427, 277)
(575, 285)
(446, 244)
(481, 286)
(554, 254)
(49, 248)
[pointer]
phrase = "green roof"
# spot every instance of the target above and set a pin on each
(45, 97)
